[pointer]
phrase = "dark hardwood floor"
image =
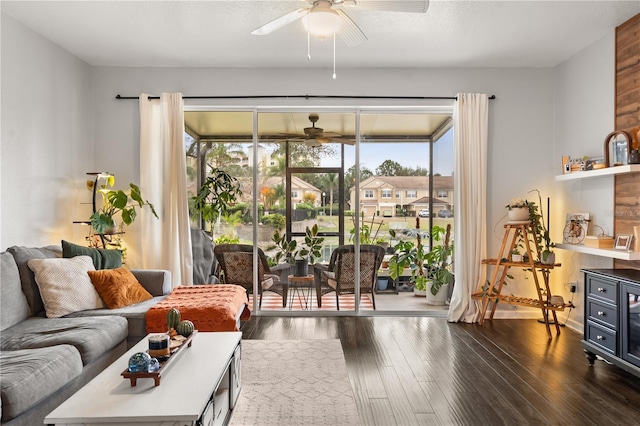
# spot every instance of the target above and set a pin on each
(425, 371)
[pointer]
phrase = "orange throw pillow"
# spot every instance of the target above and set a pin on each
(118, 287)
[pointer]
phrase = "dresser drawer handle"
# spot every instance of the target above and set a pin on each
(601, 313)
(600, 337)
(602, 289)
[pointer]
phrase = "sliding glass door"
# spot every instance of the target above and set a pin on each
(302, 170)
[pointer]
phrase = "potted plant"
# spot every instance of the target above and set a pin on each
(516, 256)
(285, 249)
(439, 265)
(308, 252)
(430, 270)
(541, 231)
(381, 241)
(410, 255)
(518, 210)
(215, 196)
(116, 201)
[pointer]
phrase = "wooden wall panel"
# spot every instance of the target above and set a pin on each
(627, 187)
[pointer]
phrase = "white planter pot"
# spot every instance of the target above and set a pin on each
(516, 258)
(420, 293)
(518, 214)
(440, 298)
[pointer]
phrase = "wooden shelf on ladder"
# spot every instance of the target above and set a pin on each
(491, 292)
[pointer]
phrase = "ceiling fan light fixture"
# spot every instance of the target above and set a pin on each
(321, 20)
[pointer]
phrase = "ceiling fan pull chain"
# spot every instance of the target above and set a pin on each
(308, 45)
(334, 56)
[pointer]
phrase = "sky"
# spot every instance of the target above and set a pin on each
(406, 154)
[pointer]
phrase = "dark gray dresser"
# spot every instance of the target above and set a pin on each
(612, 317)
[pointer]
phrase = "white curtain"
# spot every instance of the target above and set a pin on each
(470, 118)
(167, 242)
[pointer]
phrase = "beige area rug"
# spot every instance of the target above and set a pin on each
(294, 382)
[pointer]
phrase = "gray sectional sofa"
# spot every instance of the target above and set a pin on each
(44, 360)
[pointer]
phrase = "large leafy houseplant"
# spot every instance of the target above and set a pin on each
(116, 201)
(411, 255)
(426, 265)
(439, 259)
(216, 195)
(301, 255)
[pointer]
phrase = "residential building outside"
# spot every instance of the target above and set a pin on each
(390, 196)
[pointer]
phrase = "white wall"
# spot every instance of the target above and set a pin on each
(521, 118)
(47, 141)
(584, 115)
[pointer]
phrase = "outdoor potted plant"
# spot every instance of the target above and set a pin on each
(285, 249)
(308, 252)
(439, 265)
(116, 201)
(430, 270)
(410, 255)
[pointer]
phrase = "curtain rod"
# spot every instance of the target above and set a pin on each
(454, 98)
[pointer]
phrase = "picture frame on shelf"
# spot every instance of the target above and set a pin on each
(623, 242)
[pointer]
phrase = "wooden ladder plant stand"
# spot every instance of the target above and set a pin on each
(491, 292)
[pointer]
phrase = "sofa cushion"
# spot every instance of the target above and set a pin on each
(29, 376)
(29, 286)
(92, 337)
(65, 286)
(118, 287)
(13, 304)
(135, 315)
(102, 258)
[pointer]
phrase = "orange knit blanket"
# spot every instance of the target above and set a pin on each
(209, 307)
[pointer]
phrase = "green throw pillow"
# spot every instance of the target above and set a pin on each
(102, 258)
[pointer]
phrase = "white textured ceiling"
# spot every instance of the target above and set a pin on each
(217, 33)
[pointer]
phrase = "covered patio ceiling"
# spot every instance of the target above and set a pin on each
(237, 126)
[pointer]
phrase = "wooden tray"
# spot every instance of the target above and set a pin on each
(164, 364)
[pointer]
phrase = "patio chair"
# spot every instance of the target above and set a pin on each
(235, 266)
(340, 274)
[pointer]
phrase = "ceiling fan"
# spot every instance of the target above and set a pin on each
(316, 136)
(327, 17)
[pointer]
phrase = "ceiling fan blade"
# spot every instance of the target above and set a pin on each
(349, 30)
(293, 135)
(331, 135)
(280, 22)
(414, 6)
(329, 139)
(342, 140)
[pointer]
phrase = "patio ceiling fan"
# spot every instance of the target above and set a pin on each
(316, 136)
(327, 17)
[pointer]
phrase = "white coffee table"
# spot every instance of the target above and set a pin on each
(201, 385)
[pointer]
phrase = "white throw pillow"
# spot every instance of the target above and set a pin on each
(65, 285)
